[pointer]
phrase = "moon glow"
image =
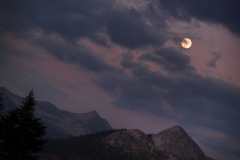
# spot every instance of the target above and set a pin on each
(186, 43)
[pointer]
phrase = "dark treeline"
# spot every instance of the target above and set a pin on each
(92, 147)
(21, 132)
(85, 147)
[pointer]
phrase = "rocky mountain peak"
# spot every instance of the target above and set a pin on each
(177, 142)
(93, 113)
(176, 128)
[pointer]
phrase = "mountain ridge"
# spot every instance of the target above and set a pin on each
(121, 144)
(173, 142)
(59, 123)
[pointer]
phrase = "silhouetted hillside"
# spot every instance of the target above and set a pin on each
(107, 145)
(59, 123)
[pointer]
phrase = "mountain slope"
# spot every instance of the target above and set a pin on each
(107, 145)
(59, 123)
(170, 144)
(176, 141)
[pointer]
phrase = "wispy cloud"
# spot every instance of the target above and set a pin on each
(212, 62)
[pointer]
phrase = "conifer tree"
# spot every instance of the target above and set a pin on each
(1, 128)
(1, 103)
(11, 137)
(31, 128)
(25, 131)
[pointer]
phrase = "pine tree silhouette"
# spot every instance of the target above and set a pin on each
(1, 103)
(1, 129)
(23, 131)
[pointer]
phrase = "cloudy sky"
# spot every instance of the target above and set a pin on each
(123, 58)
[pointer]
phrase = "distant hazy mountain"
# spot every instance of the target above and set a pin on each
(176, 141)
(59, 123)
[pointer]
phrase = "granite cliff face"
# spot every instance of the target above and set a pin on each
(59, 123)
(178, 143)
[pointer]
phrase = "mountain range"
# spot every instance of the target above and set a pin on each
(170, 144)
(87, 136)
(59, 123)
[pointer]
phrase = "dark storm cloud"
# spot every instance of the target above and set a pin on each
(68, 52)
(212, 62)
(148, 77)
(170, 59)
(76, 19)
(141, 89)
(133, 92)
(216, 139)
(72, 19)
(198, 101)
(224, 145)
(7, 51)
(128, 28)
(214, 101)
(224, 12)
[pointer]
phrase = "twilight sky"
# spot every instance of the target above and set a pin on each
(123, 58)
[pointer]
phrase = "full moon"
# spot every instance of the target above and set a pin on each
(186, 43)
